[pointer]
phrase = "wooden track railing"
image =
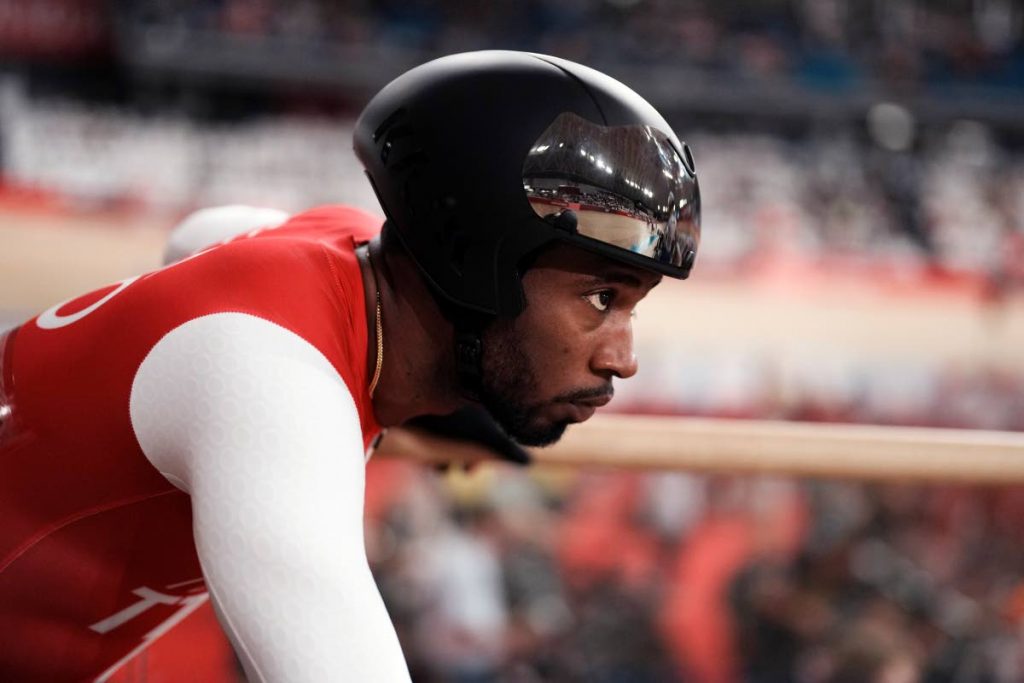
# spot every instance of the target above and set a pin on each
(832, 451)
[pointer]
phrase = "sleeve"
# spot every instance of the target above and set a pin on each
(260, 429)
(205, 227)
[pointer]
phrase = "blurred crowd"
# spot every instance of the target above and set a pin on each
(958, 202)
(832, 44)
(955, 200)
(682, 380)
(504, 576)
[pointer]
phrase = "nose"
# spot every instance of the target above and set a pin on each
(614, 353)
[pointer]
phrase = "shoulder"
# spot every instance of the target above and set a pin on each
(208, 226)
(339, 219)
(302, 276)
(222, 225)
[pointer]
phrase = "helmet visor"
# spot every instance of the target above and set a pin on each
(626, 187)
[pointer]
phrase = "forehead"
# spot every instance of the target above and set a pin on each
(572, 260)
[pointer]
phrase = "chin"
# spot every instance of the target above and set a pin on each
(540, 435)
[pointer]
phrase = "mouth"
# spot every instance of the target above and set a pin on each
(594, 402)
(584, 408)
(581, 412)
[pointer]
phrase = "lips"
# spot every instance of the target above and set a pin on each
(583, 409)
(595, 402)
(581, 412)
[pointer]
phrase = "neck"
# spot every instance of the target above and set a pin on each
(417, 375)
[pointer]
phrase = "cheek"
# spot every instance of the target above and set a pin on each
(555, 344)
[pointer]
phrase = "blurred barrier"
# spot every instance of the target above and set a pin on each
(762, 447)
(46, 258)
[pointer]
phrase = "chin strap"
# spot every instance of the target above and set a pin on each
(473, 424)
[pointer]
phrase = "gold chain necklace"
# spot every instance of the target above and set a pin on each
(379, 327)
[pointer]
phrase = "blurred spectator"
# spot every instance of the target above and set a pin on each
(954, 203)
(824, 44)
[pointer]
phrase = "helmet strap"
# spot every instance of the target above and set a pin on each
(468, 354)
(469, 349)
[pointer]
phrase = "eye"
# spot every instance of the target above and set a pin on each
(602, 300)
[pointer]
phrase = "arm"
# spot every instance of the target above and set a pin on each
(255, 423)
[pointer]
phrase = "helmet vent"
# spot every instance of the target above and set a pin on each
(388, 122)
(691, 166)
(392, 136)
(397, 142)
(413, 158)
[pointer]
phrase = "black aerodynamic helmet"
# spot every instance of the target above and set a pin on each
(479, 159)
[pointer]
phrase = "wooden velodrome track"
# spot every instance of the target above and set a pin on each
(47, 257)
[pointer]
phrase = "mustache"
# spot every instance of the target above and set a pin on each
(585, 394)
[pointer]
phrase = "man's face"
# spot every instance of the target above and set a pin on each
(553, 365)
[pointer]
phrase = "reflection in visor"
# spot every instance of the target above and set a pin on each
(625, 186)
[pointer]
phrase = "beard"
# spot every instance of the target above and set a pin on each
(508, 389)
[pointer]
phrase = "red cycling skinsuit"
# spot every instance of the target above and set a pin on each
(97, 549)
